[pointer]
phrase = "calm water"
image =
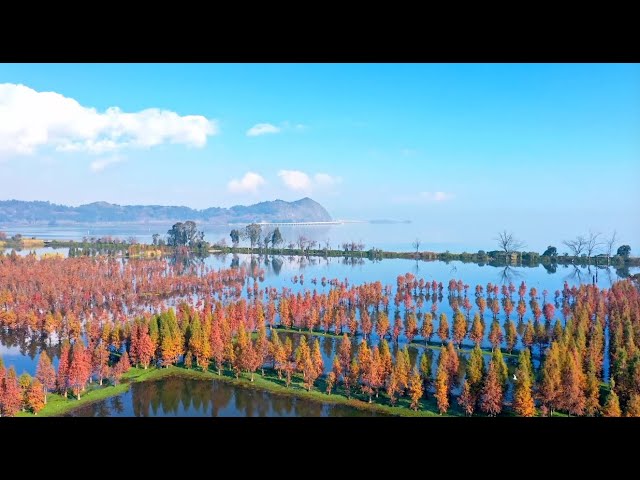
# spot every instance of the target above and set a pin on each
(22, 350)
(181, 397)
(392, 237)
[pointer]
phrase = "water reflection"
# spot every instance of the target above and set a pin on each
(508, 274)
(178, 396)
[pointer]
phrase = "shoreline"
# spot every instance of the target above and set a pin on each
(59, 406)
(481, 258)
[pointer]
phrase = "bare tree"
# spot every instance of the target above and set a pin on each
(327, 245)
(302, 242)
(416, 245)
(610, 244)
(576, 246)
(592, 243)
(508, 243)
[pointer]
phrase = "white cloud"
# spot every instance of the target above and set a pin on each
(262, 129)
(424, 197)
(101, 163)
(326, 180)
(295, 180)
(435, 196)
(302, 182)
(249, 183)
(30, 119)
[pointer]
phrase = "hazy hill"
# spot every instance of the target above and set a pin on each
(303, 210)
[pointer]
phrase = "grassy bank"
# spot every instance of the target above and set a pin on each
(58, 405)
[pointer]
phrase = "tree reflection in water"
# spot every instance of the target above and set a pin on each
(178, 396)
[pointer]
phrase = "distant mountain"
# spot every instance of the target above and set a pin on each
(303, 210)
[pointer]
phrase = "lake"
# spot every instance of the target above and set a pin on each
(183, 397)
(385, 236)
(21, 349)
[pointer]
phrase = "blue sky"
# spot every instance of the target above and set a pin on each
(545, 150)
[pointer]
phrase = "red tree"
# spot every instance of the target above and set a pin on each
(11, 393)
(79, 368)
(46, 374)
(62, 379)
(491, 399)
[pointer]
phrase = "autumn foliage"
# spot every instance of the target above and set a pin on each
(106, 315)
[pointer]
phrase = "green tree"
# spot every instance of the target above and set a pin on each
(612, 405)
(624, 251)
(235, 237)
(184, 234)
(502, 371)
(550, 252)
(523, 403)
(475, 372)
(276, 238)
(253, 232)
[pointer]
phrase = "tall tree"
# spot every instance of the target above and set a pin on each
(523, 403)
(253, 232)
(79, 368)
(45, 374)
(415, 389)
(466, 399)
(276, 238)
(502, 370)
(235, 237)
(477, 329)
(495, 335)
(316, 358)
(459, 327)
(491, 398)
(100, 361)
(633, 406)
(11, 393)
(425, 368)
(573, 385)
(511, 335)
(35, 396)
(476, 373)
(551, 379)
(62, 378)
(442, 389)
(592, 391)
(624, 251)
(508, 243)
(443, 328)
(612, 405)
(577, 246)
(427, 327)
